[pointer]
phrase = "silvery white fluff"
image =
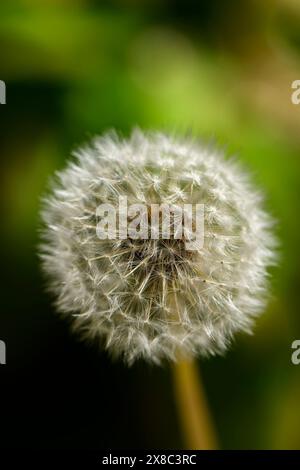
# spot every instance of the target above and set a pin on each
(153, 299)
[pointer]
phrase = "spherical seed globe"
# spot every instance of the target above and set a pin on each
(153, 298)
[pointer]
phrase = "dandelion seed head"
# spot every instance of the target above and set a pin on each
(152, 298)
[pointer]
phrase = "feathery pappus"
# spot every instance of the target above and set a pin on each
(152, 298)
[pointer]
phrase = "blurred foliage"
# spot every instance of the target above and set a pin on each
(218, 70)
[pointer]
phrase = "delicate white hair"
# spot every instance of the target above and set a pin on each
(152, 298)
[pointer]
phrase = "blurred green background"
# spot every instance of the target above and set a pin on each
(75, 68)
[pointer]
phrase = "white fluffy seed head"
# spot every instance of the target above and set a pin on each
(154, 299)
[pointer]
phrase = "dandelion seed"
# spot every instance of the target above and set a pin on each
(149, 298)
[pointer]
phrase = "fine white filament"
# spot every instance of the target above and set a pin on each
(151, 298)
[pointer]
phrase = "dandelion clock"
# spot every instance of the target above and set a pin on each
(156, 247)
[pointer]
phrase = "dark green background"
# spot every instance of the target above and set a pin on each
(219, 69)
